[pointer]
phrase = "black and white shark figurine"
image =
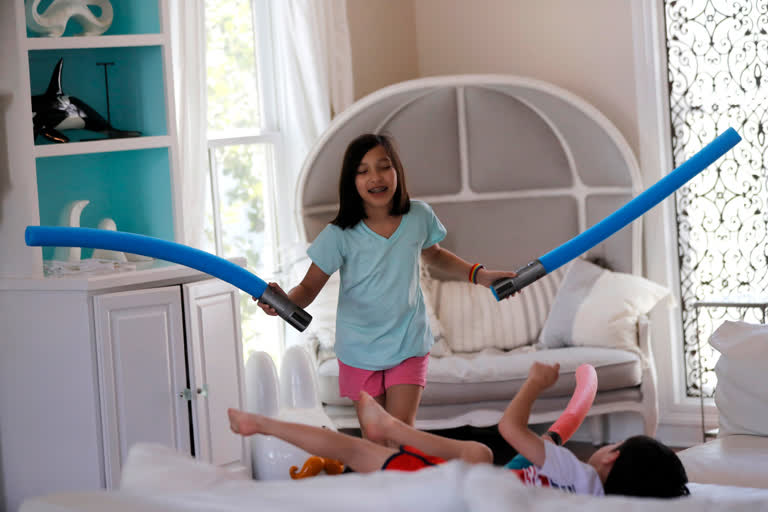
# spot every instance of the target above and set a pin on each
(54, 111)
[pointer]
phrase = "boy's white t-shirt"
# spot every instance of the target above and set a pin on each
(562, 470)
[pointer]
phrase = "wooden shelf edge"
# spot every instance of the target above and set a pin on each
(74, 42)
(102, 146)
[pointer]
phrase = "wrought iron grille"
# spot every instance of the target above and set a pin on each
(717, 54)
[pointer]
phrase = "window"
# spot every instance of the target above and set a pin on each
(242, 152)
(716, 53)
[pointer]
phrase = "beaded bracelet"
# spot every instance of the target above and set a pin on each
(474, 271)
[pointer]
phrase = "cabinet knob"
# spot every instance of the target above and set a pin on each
(186, 394)
(203, 391)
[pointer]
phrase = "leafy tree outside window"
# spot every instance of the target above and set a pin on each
(242, 141)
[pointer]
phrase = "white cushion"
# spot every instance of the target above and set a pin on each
(474, 320)
(741, 394)
(731, 460)
(321, 332)
(496, 375)
(600, 308)
(431, 288)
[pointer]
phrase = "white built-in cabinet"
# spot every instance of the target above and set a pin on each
(92, 365)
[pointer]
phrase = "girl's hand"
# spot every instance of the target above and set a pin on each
(543, 375)
(488, 277)
(266, 307)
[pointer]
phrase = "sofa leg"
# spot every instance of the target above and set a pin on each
(598, 425)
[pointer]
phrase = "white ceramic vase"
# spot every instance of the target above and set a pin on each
(70, 216)
(53, 21)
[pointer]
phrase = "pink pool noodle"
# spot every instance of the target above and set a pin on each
(578, 406)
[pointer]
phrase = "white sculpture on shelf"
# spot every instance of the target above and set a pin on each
(53, 21)
(106, 254)
(70, 216)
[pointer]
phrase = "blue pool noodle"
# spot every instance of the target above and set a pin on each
(56, 236)
(618, 219)
(652, 196)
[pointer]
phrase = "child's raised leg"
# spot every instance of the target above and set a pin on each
(379, 426)
(361, 455)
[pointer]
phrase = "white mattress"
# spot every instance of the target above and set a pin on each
(451, 487)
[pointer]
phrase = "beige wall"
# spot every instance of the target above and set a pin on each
(383, 37)
(584, 46)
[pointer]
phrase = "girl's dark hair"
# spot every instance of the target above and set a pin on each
(351, 210)
(647, 468)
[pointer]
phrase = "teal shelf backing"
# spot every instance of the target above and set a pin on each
(131, 187)
(136, 85)
(129, 17)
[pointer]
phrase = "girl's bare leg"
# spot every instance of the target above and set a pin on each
(361, 455)
(402, 402)
(378, 425)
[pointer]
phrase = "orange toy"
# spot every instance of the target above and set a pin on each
(315, 465)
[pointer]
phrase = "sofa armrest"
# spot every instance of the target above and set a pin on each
(649, 382)
(644, 336)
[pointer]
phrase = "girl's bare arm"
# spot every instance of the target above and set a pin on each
(458, 268)
(303, 293)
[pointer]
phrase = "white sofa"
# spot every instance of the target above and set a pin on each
(739, 456)
(513, 167)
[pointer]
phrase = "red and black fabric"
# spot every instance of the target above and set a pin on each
(409, 458)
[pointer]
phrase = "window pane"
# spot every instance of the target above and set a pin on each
(716, 58)
(233, 95)
(241, 181)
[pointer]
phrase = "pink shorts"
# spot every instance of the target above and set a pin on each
(375, 382)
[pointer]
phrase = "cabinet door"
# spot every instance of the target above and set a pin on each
(142, 371)
(212, 316)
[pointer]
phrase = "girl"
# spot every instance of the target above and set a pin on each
(382, 331)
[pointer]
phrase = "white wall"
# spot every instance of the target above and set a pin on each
(584, 46)
(383, 37)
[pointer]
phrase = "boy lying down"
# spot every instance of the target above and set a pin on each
(638, 466)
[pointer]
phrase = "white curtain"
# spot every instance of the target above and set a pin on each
(187, 19)
(313, 78)
(313, 68)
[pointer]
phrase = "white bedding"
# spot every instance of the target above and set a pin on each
(157, 479)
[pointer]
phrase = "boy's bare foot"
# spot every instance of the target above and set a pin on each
(374, 420)
(244, 423)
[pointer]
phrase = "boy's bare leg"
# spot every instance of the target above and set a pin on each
(378, 425)
(361, 455)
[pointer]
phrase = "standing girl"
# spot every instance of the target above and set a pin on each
(382, 330)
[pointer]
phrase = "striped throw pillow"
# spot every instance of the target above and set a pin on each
(472, 319)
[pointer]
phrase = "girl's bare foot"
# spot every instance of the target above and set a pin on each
(244, 423)
(374, 420)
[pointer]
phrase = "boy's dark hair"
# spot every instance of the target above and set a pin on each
(646, 468)
(351, 210)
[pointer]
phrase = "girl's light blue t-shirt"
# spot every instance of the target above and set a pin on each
(381, 319)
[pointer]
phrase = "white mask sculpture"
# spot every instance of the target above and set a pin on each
(53, 21)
